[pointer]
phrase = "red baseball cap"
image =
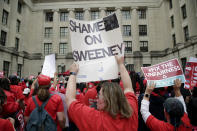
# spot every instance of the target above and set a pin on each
(44, 80)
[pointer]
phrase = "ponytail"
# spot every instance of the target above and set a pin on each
(43, 94)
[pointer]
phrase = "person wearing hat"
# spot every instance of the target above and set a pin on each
(174, 111)
(54, 106)
(117, 109)
(26, 94)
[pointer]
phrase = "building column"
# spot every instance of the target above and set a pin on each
(86, 13)
(55, 43)
(102, 12)
(135, 43)
(135, 31)
(12, 18)
(119, 15)
(71, 15)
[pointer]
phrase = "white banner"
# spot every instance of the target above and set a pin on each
(49, 66)
(94, 45)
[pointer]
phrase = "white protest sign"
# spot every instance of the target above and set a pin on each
(94, 45)
(49, 66)
(193, 59)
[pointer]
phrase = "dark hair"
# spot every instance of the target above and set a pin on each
(3, 98)
(13, 79)
(5, 84)
(192, 108)
(43, 94)
(175, 109)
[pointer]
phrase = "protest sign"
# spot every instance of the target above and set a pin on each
(191, 73)
(1, 74)
(49, 66)
(94, 44)
(165, 73)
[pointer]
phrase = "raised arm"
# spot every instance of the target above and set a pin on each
(177, 92)
(124, 75)
(71, 85)
(145, 102)
(55, 80)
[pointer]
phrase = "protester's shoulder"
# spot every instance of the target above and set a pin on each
(55, 97)
(130, 95)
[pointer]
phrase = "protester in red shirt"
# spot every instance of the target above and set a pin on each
(17, 90)
(11, 106)
(91, 96)
(54, 106)
(118, 110)
(5, 124)
(174, 110)
(26, 94)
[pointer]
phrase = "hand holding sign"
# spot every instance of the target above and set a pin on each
(74, 68)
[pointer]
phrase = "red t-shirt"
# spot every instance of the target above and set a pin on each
(89, 119)
(17, 90)
(6, 125)
(53, 106)
(157, 125)
(90, 96)
(11, 106)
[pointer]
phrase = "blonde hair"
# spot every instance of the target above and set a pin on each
(115, 100)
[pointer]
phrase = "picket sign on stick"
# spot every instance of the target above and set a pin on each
(191, 73)
(94, 45)
(49, 66)
(164, 74)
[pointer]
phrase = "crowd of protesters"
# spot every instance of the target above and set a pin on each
(127, 103)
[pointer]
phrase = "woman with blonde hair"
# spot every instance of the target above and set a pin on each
(117, 109)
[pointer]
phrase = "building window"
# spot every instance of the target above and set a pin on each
(19, 69)
(186, 33)
(183, 62)
(144, 46)
(6, 65)
(47, 48)
(63, 48)
(126, 15)
(174, 40)
(49, 17)
(170, 4)
(18, 24)
(5, 17)
(130, 67)
(172, 21)
(146, 65)
(126, 30)
(79, 15)
(142, 13)
(17, 43)
(143, 30)
(19, 9)
(3, 38)
(94, 15)
(108, 12)
(6, 1)
(128, 46)
(64, 16)
(63, 32)
(184, 13)
(48, 32)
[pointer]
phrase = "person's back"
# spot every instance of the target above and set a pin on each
(54, 105)
(117, 110)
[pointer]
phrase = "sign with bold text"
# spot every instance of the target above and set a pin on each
(165, 73)
(94, 45)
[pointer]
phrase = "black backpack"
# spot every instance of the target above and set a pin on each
(39, 119)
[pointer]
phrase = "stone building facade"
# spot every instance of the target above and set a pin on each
(153, 31)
